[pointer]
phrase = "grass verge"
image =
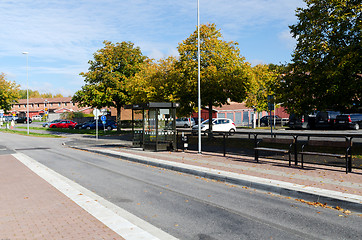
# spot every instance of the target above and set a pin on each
(30, 133)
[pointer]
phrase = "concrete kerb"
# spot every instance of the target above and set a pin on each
(332, 198)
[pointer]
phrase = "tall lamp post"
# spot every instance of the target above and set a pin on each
(27, 91)
(198, 77)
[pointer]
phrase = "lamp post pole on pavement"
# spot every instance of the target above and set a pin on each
(198, 77)
(27, 92)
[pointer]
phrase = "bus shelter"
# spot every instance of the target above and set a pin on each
(158, 125)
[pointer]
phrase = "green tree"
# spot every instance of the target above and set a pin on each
(155, 82)
(9, 93)
(106, 80)
(263, 82)
(36, 94)
(327, 62)
(224, 74)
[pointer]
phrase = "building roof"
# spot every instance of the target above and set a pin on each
(231, 106)
(49, 100)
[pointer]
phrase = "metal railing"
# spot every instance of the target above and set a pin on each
(299, 137)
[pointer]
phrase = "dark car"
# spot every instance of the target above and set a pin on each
(326, 119)
(349, 121)
(266, 120)
(110, 124)
(306, 121)
(23, 120)
(80, 125)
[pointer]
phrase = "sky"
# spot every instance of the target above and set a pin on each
(61, 36)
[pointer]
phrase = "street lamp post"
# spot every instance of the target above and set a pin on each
(198, 76)
(27, 92)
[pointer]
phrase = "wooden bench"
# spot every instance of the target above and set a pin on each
(277, 150)
(346, 145)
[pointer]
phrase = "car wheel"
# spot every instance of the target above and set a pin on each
(46, 125)
(53, 126)
(356, 126)
(262, 124)
(88, 128)
(186, 126)
(231, 131)
(109, 128)
(70, 127)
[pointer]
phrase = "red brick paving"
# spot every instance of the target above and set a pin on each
(33, 209)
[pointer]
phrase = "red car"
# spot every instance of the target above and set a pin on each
(63, 124)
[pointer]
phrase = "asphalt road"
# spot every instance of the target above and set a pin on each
(185, 206)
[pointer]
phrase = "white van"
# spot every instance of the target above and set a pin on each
(36, 117)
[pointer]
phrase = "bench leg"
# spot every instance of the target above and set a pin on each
(302, 160)
(256, 156)
(290, 159)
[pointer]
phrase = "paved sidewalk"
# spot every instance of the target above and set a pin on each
(33, 209)
(316, 183)
(38, 203)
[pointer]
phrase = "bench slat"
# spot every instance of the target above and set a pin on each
(317, 143)
(278, 140)
(271, 150)
(323, 154)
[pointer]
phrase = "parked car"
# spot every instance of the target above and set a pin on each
(306, 121)
(47, 124)
(218, 125)
(80, 125)
(326, 119)
(110, 125)
(23, 120)
(185, 122)
(349, 121)
(63, 124)
(196, 119)
(36, 117)
(266, 120)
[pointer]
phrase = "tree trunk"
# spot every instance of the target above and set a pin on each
(118, 107)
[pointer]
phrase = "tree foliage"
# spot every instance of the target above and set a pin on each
(224, 74)
(36, 94)
(155, 82)
(9, 93)
(106, 80)
(327, 62)
(263, 82)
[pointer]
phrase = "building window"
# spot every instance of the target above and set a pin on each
(65, 104)
(59, 104)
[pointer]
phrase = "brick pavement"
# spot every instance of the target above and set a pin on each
(33, 209)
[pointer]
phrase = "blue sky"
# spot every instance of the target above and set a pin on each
(62, 35)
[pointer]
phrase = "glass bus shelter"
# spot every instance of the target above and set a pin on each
(158, 130)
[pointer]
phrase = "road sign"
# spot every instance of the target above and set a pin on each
(103, 118)
(96, 113)
(104, 122)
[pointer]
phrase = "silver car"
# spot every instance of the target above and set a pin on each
(185, 122)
